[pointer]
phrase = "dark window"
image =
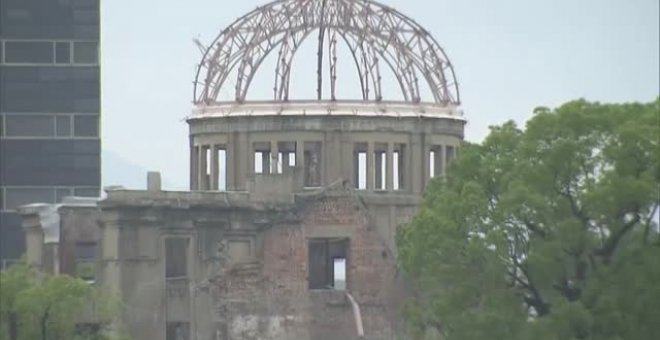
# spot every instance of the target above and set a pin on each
(86, 126)
(12, 237)
(86, 260)
(85, 52)
(63, 126)
(176, 257)
(177, 331)
(16, 197)
(451, 153)
(87, 192)
(28, 52)
(60, 193)
(33, 162)
(62, 53)
(50, 89)
(30, 126)
(327, 263)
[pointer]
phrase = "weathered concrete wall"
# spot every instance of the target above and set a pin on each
(248, 267)
(77, 224)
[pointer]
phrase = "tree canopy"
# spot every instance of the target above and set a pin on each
(547, 233)
(48, 307)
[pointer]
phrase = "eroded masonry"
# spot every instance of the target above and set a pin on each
(288, 230)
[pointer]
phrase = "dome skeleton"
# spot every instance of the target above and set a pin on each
(377, 36)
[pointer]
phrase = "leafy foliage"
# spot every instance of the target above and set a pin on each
(547, 233)
(37, 306)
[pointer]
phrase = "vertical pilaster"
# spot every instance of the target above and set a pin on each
(389, 168)
(443, 160)
(370, 166)
(201, 170)
(215, 174)
(230, 163)
(274, 157)
(194, 168)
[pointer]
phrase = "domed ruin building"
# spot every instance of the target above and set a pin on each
(288, 230)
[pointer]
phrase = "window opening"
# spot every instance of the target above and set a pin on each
(360, 166)
(327, 263)
(176, 257)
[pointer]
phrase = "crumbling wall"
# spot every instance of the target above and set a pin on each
(270, 299)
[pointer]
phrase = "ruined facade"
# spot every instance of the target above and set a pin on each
(288, 230)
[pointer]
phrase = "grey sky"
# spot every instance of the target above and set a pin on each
(510, 56)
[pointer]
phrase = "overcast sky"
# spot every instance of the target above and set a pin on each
(509, 55)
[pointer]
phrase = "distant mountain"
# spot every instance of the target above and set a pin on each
(118, 171)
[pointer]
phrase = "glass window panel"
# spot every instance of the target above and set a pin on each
(29, 126)
(63, 126)
(62, 53)
(85, 52)
(60, 193)
(87, 192)
(28, 52)
(86, 126)
(16, 197)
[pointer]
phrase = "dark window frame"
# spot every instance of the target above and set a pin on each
(322, 254)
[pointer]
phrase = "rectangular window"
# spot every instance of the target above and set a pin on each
(86, 126)
(436, 163)
(286, 159)
(30, 126)
(87, 192)
(451, 153)
(62, 53)
(360, 166)
(328, 263)
(177, 331)
(85, 52)
(61, 193)
(262, 158)
(399, 163)
(28, 52)
(16, 197)
(86, 260)
(176, 257)
(63, 126)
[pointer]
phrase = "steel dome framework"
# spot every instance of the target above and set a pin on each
(377, 37)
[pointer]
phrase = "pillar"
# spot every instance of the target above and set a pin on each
(274, 156)
(370, 166)
(215, 174)
(389, 166)
(201, 170)
(194, 165)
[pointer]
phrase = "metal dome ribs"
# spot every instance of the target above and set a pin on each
(377, 36)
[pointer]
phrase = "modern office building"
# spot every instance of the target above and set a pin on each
(49, 108)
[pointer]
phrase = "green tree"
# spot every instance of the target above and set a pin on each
(545, 233)
(48, 307)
